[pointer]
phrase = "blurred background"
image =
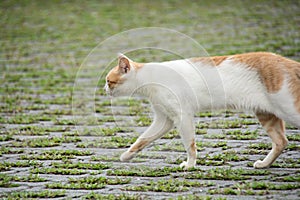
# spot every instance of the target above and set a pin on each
(44, 43)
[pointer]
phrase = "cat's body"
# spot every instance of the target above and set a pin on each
(265, 83)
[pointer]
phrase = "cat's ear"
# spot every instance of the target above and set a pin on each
(124, 64)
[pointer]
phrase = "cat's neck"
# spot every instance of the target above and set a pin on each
(156, 81)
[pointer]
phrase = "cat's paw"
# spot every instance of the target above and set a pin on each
(185, 165)
(127, 156)
(260, 165)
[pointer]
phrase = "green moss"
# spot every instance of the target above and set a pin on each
(110, 158)
(36, 194)
(205, 114)
(27, 119)
(88, 183)
(290, 127)
(253, 188)
(226, 156)
(143, 121)
(197, 197)
(6, 181)
(116, 158)
(178, 146)
(79, 165)
(242, 135)
(30, 178)
(45, 142)
(171, 135)
(8, 150)
(293, 137)
(107, 119)
(201, 131)
(172, 146)
(294, 178)
(4, 166)
(199, 161)
(293, 147)
(6, 137)
(169, 185)
(226, 124)
(97, 196)
(254, 151)
(215, 136)
(62, 171)
(29, 130)
(109, 142)
(39, 130)
(260, 185)
(226, 174)
(66, 122)
(148, 155)
(101, 179)
(55, 155)
(260, 146)
(101, 131)
(221, 144)
(143, 171)
(216, 159)
(235, 135)
(246, 116)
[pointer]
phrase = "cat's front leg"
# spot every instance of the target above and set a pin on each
(187, 134)
(161, 124)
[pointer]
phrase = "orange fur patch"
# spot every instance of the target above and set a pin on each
(214, 61)
(272, 69)
(269, 66)
(138, 146)
(271, 121)
(273, 125)
(193, 148)
(294, 82)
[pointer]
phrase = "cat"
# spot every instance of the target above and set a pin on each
(265, 83)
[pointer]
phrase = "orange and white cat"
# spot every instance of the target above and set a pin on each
(266, 83)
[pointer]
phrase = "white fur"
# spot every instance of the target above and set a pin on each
(198, 87)
(283, 105)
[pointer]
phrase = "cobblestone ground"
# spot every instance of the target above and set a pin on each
(49, 151)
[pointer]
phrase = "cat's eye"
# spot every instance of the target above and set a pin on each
(110, 82)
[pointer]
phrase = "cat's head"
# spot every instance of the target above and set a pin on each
(120, 81)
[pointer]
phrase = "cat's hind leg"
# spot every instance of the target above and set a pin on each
(187, 133)
(161, 124)
(276, 130)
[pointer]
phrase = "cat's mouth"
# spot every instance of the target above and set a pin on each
(108, 91)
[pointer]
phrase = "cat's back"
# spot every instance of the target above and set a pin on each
(265, 80)
(272, 70)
